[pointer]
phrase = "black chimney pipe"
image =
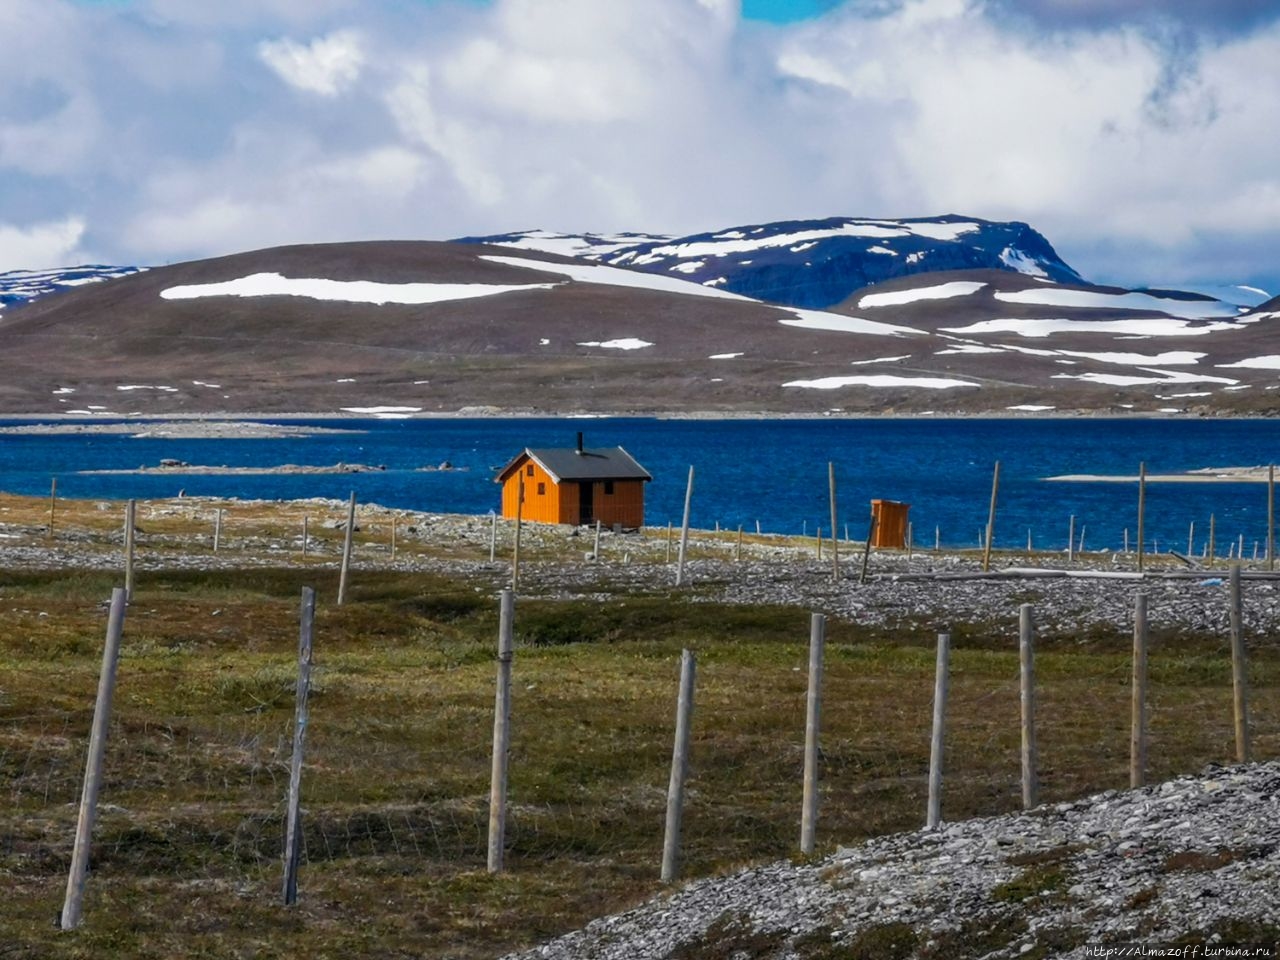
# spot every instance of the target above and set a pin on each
(579, 443)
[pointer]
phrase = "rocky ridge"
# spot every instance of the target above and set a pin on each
(1194, 860)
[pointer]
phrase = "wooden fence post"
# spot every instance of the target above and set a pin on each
(812, 720)
(293, 821)
(911, 540)
(306, 534)
(1026, 658)
(53, 503)
(866, 549)
(217, 529)
(991, 518)
(72, 905)
(941, 680)
(1271, 517)
(737, 552)
(1211, 547)
(1142, 511)
(346, 549)
(501, 733)
(595, 553)
(393, 536)
(1071, 539)
(1191, 539)
(679, 770)
(835, 549)
(937, 539)
(515, 552)
(1138, 724)
(493, 537)
(670, 534)
(818, 542)
(684, 530)
(130, 546)
(1239, 670)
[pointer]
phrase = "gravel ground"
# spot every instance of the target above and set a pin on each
(1183, 859)
(927, 591)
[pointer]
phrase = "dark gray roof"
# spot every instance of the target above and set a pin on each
(593, 463)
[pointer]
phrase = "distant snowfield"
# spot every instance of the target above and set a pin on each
(1269, 362)
(1187, 309)
(942, 291)
(345, 291)
(384, 413)
(1159, 376)
(623, 343)
(1031, 407)
(617, 276)
(591, 244)
(1170, 358)
(1141, 326)
(734, 241)
(880, 380)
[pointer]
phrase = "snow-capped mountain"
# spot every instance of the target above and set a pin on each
(19, 286)
(813, 263)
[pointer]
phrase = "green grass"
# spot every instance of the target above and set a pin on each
(187, 846)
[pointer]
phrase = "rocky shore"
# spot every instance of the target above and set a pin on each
(925, 591)
(1191, 861)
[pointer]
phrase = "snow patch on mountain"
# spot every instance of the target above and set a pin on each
(942, 291)
(19, 286)
(1143, 326)
(1187, 309)
(880, 380)
(346, 291)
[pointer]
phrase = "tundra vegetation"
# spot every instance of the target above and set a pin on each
(187, 851)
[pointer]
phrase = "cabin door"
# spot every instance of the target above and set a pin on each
(586, 503)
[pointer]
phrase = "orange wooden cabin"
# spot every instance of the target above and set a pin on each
(576, 486)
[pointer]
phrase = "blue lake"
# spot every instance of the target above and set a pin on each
(771, 471)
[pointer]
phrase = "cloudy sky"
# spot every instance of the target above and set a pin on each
(1140, 136)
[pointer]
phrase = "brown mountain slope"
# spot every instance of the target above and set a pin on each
(573, 337)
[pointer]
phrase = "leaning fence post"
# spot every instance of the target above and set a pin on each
(130, 515)
(812, 719)
(1239, 669)
(346, 549)
(941, 677)
(684, 530)
(293, 822)
(501, 734)
(217, 529)
(866, 549)
(679, 770)
(306, 534)
(991, 518)
(1071, 539)
(74, 901)
(1138, 725)
(1026, 658)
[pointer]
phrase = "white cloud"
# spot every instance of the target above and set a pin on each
(1143, 161)
(327, 65)
(42, 245)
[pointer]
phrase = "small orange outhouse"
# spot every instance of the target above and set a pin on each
(575, 486)
(891, 523)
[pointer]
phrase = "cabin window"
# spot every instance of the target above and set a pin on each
(542, 489)
(529, 470)
(608, 488)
